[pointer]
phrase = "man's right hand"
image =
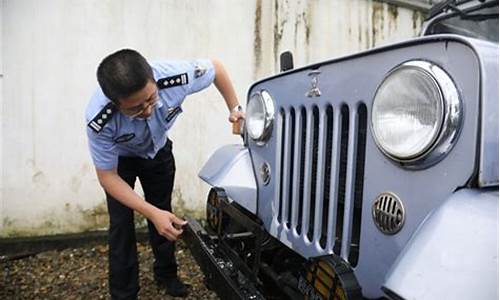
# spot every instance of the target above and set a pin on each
(164, 222)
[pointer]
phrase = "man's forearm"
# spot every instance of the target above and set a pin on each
(163, 220)
(224, 85)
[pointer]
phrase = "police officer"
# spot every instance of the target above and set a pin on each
(128, 121)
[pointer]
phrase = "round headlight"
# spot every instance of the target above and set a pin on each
(415, 109)
(260, 116)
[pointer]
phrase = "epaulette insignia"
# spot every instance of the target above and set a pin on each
(103, 117)
(172, 81)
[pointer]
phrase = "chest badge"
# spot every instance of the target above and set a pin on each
(314, 91)
(172, 112)
(125, 138)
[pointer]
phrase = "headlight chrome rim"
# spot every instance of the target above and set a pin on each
(268, 106)
(450, 124)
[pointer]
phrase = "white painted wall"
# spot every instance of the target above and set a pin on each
(50, 50)
(1, 113)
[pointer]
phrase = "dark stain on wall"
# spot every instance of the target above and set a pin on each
(88, 220)
(257, 42)
(417, 18)
(377, 22)
(360, 30)
(367, 31)
(278, 29)
(296, 29)
(393, 11)
(305, 19)
(95, 217)
(393, 14)
(307, 16)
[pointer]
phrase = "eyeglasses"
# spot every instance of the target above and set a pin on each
(139, 109)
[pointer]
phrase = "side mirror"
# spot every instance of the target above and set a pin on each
(286, 61)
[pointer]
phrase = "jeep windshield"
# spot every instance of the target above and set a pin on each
(476, 19)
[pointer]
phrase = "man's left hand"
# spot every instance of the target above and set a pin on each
(235, 116)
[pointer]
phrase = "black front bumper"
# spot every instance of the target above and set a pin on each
(222, 274)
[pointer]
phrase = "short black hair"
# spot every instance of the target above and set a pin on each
(123, 73)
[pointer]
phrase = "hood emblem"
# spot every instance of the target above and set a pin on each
(314, 91)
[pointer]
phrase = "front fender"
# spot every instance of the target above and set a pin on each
(230, 168)
(453, 254)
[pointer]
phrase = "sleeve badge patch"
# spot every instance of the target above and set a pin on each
(199, 71)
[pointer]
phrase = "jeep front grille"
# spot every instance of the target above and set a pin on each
(320, 169)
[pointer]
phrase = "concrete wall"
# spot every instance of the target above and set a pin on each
(1, 113)
(50, 50)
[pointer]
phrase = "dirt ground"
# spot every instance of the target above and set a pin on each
(82, 273)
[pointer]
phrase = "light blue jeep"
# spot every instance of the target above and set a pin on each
(368, 176)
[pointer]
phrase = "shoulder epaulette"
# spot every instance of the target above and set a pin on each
(172, 81)
(103, 117)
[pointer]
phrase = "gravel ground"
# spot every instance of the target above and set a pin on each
(82, 273)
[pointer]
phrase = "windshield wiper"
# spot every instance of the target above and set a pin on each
(464, 13)
(448, 4)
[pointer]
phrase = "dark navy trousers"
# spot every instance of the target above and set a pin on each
(157, 179)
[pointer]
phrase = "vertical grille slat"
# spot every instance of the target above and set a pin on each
(279, 163)
(333, 239)
(350, 182)
(327, 200)
(342, 165)
(303, 128)
(320, 168)
(291, 168)
(286, 169)
(358, 184)
(296, 182)
(314, 173)
(320, 181)
(307, 172)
